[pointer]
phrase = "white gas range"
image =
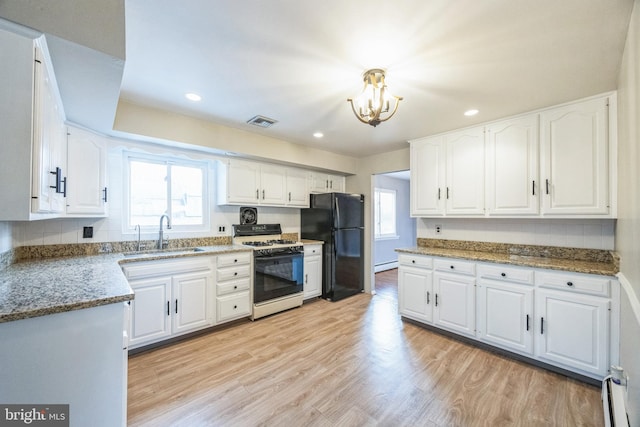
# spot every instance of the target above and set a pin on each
(278, 267)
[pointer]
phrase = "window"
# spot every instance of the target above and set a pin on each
(158, 186)
(385, 213)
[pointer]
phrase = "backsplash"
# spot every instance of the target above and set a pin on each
(6, 236)
(572, 233)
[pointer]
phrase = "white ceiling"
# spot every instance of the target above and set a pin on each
(298, 61)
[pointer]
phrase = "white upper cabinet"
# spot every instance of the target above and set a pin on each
(326, 183)
(465, 172)
(297, 188)
(575, 159)
(427, 177)
(249, 183)
(87, 192)
(557, 162)
(512, 167)
(32, 131)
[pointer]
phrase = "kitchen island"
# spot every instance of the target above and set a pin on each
(64, 330)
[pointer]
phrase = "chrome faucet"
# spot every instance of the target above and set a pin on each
(161, 233)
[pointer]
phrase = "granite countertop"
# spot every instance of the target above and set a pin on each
(38, 287)
(566, 259)
(311, 242)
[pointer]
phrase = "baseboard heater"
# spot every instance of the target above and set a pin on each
(613, 404)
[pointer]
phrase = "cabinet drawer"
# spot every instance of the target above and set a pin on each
(510, 274)
(415, 260)
(236, 258)
(233, 272)
(233, 306)
(144, 269)
(594, 285)
(312, 250)
(455, 266)
(233, 286)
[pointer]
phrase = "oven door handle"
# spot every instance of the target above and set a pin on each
(277, 257)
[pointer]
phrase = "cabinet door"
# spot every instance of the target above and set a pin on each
(465, 172)
(512, 167)
(189, 301)
(273, 185)
(47, 188)
(319, 182)
(87, 173)
(312, 286)
(505, 315)
(297, 188)
(243, 182)
(427, 177)
(454, 304)
(415, 293)
(572, 330)
(336, 184)
(150, 311)
(574, 155)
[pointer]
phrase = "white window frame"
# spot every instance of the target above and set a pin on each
(376, 210)
(129, 228)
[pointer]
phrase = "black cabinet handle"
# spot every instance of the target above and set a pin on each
(289, 195)
(413, 261)
(427, 297)
(542, 325)
(235, 273)
(176, 306)
(527, 322)
(436, 300)
(64, 182)
(235, 306)
(438, 193)
(257, 194)
(306, 278)
(547, 185)
(235, 287)
(168, 310)
(262, 194)
(105, 194)
(569, 283)
(452, 267)
(533, 188)
(447, 193)
(503, 274)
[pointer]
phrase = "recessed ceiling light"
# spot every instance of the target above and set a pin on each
(471, 112)
(192, 97)
(318, 134)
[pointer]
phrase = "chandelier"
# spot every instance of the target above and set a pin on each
(373, 105)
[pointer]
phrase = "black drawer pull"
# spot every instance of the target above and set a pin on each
(436, 300)
(235, 287)
(235, 273)
(542, 325)
(503, 274)
(235, 307)
(168, 309)
(452, 267)
(569, 283)
(527, 322)
(176, 306)
(413, 261)
(427, 297)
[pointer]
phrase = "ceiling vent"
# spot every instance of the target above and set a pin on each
(261, 121)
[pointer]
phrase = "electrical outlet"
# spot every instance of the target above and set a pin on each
(222, 229)
(438, 229)
(87, 232)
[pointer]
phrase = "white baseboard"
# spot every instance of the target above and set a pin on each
(386, 266)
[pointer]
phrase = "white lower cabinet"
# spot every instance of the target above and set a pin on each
(454, 305)
(172, 297)
(312, 286)
(415, 287)
(559, 318)
(573, 330)
(233, 288)
(505, 315)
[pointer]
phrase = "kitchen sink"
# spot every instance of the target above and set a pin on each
(163, 252)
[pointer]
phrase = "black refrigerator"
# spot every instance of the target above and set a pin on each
(338, 220)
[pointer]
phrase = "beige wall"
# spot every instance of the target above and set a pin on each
(362, 183)
(134, 120)
(628, 226)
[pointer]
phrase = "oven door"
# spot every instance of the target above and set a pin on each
(277, 276)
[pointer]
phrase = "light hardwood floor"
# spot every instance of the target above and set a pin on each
(347, 363)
